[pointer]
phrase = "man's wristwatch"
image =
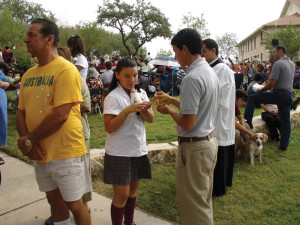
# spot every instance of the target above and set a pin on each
(28, 142)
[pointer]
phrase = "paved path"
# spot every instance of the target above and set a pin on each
(21, 203)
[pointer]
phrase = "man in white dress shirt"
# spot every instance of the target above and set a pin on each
(224, 127)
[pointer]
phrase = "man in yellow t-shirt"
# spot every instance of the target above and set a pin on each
(49, 124)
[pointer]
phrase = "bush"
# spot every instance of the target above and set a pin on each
(23, 58)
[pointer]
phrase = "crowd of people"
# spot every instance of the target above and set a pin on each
(56, 95)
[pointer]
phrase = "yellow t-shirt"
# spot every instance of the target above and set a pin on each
(44, 88)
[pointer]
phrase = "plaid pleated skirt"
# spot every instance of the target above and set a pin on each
(120, 170)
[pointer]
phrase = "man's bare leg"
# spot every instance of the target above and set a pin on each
(59, 209)
(80, 212)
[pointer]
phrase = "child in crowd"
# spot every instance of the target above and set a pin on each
(256, 81)
(155, 82)
(11, 93)
(126, 159)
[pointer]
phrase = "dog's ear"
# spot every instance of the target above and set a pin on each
(265, 137)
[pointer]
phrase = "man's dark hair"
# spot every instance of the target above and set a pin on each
(210, 44)
(258, 77)
(189, 37)
(280, 47)
(261, 66)
(6, 47)
(275, 42)
(240, 93)
(108, 65)
(297, 63)
(48, 28)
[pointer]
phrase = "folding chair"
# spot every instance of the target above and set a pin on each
(96, 97)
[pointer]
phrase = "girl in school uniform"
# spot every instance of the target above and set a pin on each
(126, 160)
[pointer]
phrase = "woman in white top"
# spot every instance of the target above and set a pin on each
(126, 160)
(76, 46)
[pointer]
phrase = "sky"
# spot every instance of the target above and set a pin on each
(235, 16)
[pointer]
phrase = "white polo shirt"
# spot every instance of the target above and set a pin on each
(199, 96)
(130, 139)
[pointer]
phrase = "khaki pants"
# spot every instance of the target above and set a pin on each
(194, 181)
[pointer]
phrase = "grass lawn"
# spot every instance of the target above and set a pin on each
(265, 194)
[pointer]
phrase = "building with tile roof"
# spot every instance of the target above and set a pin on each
(250, 48)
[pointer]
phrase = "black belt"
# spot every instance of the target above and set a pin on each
(280, 90)
(194, 139)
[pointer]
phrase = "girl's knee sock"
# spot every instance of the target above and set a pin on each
(117, 215)
(129, 211)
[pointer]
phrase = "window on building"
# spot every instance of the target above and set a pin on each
(248, 46)
(254, 42)
(261, 36)
(251, 44)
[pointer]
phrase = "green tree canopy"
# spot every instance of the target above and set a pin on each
(96, 40)
(15, 16)
(163, 52)
(227, 44)
(12, 32)
(137, 23)
(25, 11)
(197, 23)
(288, 36)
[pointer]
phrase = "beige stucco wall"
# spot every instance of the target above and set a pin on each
(253, 51)
(259, 48)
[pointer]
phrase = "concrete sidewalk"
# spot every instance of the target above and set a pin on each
(21, 202)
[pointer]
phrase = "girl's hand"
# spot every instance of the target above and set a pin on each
(137, 107)
(145, 105)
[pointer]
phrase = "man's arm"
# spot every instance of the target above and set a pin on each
(187, 122)
(48, 126)
(35, 152)
(269, 86)
(241, 120)
(170, 100)
(52, 123)
(244, 130)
